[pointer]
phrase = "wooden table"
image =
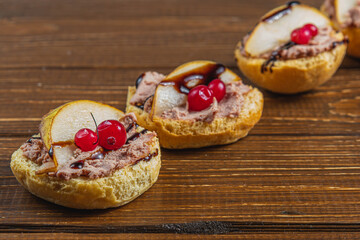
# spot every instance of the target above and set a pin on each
(297, 174)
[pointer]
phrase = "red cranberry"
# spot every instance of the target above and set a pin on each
(86, 139)
(301, 36)
(200, 98)
(312, 28)
(112, 134)
(218, 88)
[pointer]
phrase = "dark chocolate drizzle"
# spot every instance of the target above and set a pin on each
(275, 55)
(202, 75)
(139, 79)
(281, 12)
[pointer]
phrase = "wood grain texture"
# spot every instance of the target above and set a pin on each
(162, 236)
(295, 176)
(118, 34)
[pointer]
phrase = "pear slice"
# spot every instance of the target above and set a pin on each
(276, 26)
(342, 8)
(226, 76)
(58, 128)
(167, 96)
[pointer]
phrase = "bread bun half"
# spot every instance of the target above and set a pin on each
(123, 186)
(330, 8)
(295, 75)
(179, 134)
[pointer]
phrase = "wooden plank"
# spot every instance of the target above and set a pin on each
(295, 176)
(38, 35)
(333, 108)
(259, 179)
(251, 236)
(113, 9)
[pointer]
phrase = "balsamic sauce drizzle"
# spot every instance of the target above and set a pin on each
(98, 155)
(275, 55)
(136, 136)
(51, 151)
(183, 83)
(102, 153)
(80, 164)
(148, 157)
(344, 41)
(139, 79)
(137, 83)
(30, 139)
(134, 124)
(280, 13)
(141, 105)
(77, 165)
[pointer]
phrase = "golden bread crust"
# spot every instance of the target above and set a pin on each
(121, 187)
(292, 76)
(178, 134)
(354, 41)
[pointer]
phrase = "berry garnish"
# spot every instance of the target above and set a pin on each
(304, 34)
(312, 28)
(86, 139)
(218, 88)
(301, 36)
(112, 134)
(200, 98)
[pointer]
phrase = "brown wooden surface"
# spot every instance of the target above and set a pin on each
(297, 174)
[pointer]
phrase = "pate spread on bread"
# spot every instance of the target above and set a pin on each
(109, 167)
(325, 40)
(229, 106)
(292, 49)
(199, 100)
(98, 162)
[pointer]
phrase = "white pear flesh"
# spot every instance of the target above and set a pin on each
(342, 8)
(228, 76)
(62, 154)
(167, 96)
(58, 128)
(268, 35)
(74, 117)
